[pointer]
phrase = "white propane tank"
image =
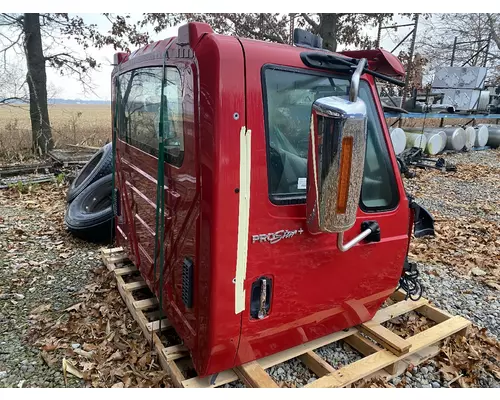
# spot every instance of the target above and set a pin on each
(482, 134)
(438, 131)
(415, 140)
(470, 138)
(398, 139)
(444, 137)
(435, 143)
(493, 135)
(455, 138)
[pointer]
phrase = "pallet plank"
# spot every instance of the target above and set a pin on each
(385, 337)
(111, 251)
(125, 270)
(397, 309)
(362, 344)
(367, 347)
(175, 352)
(222, 378)
(253, 375)
(376, 361)
(296, 351)
(434, 313)
(135, 285)
(316, 364)
(145, 304)
(155, 325)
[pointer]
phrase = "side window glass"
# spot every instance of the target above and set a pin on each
(378, 189)
(173, 118)
(141, 90)
(140, 106)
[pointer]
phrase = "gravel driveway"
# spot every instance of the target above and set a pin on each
(43, 272)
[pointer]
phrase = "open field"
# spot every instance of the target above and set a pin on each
(71, 124)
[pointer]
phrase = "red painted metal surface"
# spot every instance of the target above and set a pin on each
(379, 60)
(316, 289)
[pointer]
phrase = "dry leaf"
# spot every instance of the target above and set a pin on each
(449, 372)
(117, 355)
(68, 367)
(493, 285)
(47, 359)
(87, 366)
(83, 353)
(74, 307)
(49, 347)
(40, 309)
(118, 385)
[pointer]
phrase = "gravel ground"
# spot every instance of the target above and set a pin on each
(40, 265)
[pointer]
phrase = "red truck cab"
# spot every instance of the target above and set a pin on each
(243, 277)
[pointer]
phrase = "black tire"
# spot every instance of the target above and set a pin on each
(90, 215)
(99, 165)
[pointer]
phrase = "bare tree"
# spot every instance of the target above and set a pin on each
(333, 28)
(40, 40)
(13, 87)
(475, 42)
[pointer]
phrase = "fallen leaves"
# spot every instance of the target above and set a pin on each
(470, 245)
(468, 241)
(99, 340)
(464, 359)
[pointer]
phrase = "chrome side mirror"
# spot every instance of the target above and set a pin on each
(336, 159)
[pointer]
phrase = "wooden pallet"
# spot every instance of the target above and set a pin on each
(385, 354)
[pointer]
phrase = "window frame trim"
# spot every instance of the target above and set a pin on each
(288, 200)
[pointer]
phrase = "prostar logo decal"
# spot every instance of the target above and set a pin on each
(276, 236)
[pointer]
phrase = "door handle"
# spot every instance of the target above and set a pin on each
(370, 230)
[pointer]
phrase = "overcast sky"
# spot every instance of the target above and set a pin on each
(70, 88)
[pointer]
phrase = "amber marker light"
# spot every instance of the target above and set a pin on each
(345, 174)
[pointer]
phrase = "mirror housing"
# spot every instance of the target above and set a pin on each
(336, 160)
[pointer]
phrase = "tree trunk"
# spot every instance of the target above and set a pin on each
(328, 30)
(37, 83)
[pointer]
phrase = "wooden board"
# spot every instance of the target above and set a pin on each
(385, 354)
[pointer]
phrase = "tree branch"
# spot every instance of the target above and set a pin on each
(9, 99)
(311, 22)
(12, 42)
(494, 34)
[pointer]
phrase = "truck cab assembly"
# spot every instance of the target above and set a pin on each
(256, 189)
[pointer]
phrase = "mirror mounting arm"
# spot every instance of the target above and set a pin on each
(356, 76)
(372, 227)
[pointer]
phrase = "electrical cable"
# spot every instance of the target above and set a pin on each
(409, 282)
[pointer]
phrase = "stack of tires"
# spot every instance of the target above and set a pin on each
(89, 214)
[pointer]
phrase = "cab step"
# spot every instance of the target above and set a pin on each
(385, 354)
